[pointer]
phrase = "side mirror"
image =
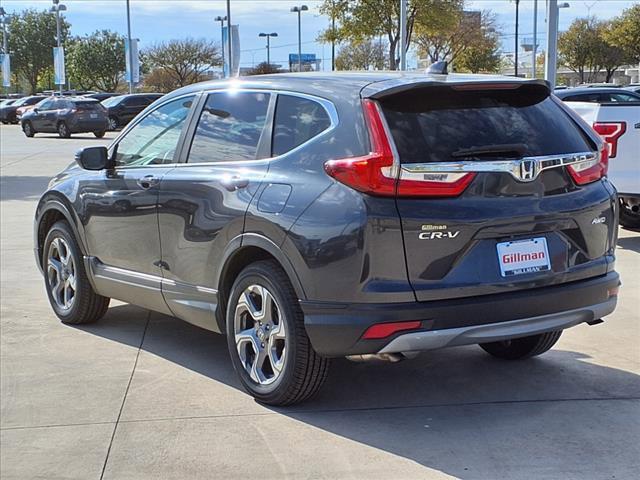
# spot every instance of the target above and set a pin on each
(35, 109)
(93, 158)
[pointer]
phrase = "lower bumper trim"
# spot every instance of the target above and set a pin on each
(493, 332)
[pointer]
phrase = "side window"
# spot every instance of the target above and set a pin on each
(230, 127)
(155, 138)
(622, 97)
(46, 105)
(297, 120)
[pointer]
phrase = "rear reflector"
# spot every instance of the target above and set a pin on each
(379, 174)
(613, 292)
(384, 330)
(591, 170)
(610, 133)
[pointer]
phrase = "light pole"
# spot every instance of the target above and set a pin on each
(56, 8)
(534, 48)
(5, 46)
(130, 48)
(551, 57)
(403, 35)
(516, 52)
(299, 10)
(268, 35)
(221, 20)
(229, 38)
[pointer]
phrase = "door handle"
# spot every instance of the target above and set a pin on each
(148, 181)
(235, 183)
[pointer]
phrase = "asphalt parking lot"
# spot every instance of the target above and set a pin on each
(142, 395)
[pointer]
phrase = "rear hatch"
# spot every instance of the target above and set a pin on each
(89, 110)
(498, 188)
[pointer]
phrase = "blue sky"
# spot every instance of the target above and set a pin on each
(157, 20)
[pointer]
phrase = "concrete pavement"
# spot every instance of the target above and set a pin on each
(141, 395)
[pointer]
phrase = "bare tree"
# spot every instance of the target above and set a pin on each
(183, 61)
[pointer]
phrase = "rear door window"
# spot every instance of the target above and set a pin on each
(230, 127)
(297, 120)
(437, 124)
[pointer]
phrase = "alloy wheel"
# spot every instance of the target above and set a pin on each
(260, 335)
(61, 272)
(113, 124)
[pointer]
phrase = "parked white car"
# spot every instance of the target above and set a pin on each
(619, 125)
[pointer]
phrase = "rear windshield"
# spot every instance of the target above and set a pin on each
(439, 124)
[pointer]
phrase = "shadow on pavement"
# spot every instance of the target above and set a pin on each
(22, 188)
(630, 243)
(382, 404)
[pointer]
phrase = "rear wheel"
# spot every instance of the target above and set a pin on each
(63, 130)
(28, 130)
(70, 294)
(629, 213)
(113, 123)
(99, 134)
(267, 340)
(525, 347)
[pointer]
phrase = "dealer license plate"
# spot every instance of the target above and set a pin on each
(523, 256)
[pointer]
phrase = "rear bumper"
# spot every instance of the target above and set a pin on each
(88, 125)
(336, 329)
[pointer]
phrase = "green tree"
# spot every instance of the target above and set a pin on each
(578, 48)
(482, 55)
(608, 55)
(184, 61)
(362, 55)
(624, 33)
(97, 61)
(33, 36)
(358, 20)
(264, 68)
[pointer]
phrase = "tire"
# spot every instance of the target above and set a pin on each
(302, 370)
(63, 130)
(521, 348)
(113, 123)
(28, 130)
(99, 134)
(628, 218)
(85, 305)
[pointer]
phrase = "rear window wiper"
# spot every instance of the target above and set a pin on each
(510, 150)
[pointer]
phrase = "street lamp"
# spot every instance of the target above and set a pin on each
(299, 10)
(221, 20)
(268, 35)
(516, 53)
(56, 8)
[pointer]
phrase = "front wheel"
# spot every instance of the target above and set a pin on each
(70, 293)
(99, 134)
(525, 347)
(113, 123)
(28, 130)
(630, 212)
(63, 130)
(267, 340)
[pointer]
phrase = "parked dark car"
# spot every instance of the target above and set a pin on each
(122, 109)
(311, 216)
(8, 112)
(66, 115)
(102, 96)
(597, 95)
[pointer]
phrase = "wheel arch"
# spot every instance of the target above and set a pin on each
(241, 252)
(50, 211)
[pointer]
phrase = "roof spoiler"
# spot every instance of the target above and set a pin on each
(379, 90)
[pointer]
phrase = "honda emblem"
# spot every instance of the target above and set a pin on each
(528, 170)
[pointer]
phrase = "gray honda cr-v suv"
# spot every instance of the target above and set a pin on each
(310, 216)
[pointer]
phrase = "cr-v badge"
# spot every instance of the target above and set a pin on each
(431, 232)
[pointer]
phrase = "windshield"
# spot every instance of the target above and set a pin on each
(111, 101)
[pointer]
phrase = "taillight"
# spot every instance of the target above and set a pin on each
(591, 170)
(378, 173)
(374, 173)
(610, 133)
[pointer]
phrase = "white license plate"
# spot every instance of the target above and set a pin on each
(523, 256)
(93, 115)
